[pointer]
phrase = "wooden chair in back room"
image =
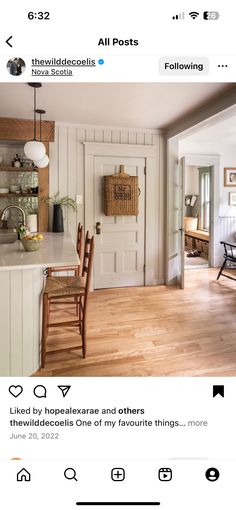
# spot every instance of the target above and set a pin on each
(229, 261)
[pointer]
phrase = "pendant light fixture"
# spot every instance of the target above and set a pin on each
(34, 149)
(44, 161)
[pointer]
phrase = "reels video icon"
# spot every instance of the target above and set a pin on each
(165, 474)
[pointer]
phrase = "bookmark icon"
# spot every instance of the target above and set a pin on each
(218, 389)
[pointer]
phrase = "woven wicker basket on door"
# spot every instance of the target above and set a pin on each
(121, 194)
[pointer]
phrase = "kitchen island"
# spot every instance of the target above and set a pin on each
(21, 284)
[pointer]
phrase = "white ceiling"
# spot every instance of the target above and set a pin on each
(145, 105)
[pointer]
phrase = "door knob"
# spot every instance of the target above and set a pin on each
(98, 228)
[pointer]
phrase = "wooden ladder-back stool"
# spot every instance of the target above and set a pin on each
(79, 248)
(76, 287)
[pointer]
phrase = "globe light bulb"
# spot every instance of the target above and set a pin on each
(42, 163)
(34, 150)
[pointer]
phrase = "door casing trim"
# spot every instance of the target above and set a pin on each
(92, 150)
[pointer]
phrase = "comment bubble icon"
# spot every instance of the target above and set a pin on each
(40, 391)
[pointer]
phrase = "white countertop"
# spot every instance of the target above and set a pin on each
(55, 250)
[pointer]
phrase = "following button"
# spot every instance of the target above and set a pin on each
(197, 66)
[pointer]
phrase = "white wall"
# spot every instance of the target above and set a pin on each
(67, 171)
(191, 180)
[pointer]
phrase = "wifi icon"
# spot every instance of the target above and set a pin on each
(194, 14)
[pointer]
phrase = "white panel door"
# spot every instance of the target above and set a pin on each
(120, 247)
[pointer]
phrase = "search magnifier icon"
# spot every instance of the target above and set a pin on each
(70, 474)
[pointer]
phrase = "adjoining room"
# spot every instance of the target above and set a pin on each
(197, 216)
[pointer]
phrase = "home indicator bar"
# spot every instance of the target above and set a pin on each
(116, 503)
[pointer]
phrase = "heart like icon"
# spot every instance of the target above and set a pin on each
(15, 391)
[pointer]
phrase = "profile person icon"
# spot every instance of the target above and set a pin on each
(16, 66)
(212, 474)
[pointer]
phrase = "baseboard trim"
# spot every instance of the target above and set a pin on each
(154, 283)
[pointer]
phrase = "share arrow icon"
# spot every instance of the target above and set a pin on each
(64, 389)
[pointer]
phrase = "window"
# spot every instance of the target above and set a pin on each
(204, 200)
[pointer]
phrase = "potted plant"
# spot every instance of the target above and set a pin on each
(58, 203)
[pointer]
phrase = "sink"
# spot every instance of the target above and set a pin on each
(8, 236)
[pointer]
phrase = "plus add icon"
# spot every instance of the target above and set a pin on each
(118, 474)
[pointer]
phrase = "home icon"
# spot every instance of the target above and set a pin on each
(23, 476)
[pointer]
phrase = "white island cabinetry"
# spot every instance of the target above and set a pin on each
(21, 285)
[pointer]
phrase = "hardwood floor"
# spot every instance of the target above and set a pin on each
(154, 331)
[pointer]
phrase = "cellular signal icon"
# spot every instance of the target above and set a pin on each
(194, 14)
(179, 16)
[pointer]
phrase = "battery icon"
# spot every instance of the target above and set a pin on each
(211, 15)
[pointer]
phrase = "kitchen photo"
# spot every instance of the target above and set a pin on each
(117, 229)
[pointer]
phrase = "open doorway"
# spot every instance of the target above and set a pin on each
(210, 142)
(197, 221)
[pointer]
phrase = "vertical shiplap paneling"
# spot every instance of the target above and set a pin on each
(53, 171)
(80, 173)
(132, 137)
(140, 138)
(155, 139)
(72, 179)
(63, 167)
(28, 325)
(115, 136)
(124, 136)
(107, 136)
(5, 320)
(99, 135)
(228, 228)
(148, 138)
(90, 135)
(20, 321)
(17, 323)
(38, 282)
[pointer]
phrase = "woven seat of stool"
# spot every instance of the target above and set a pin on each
(57, 286)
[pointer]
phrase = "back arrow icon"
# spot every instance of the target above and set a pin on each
(7, 41)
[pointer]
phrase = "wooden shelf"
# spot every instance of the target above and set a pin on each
(9, 168)
(19, 195)
(14, 133)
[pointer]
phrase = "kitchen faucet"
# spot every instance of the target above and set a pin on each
(13, 207)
